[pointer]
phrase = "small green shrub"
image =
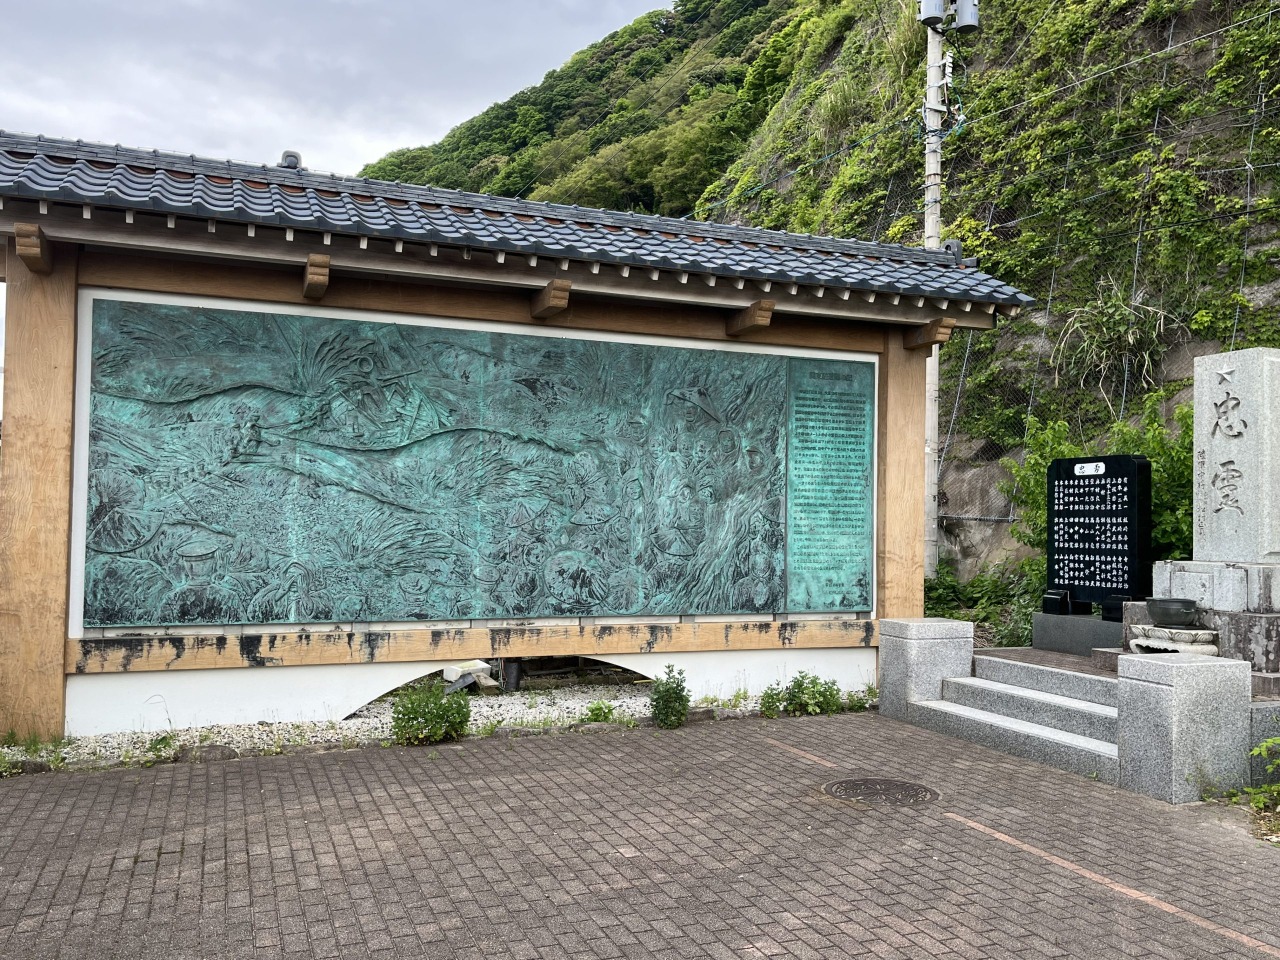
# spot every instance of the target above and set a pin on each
(771, 701)
(805, 696)
(426, 714)
(669, 699)
(599, 711)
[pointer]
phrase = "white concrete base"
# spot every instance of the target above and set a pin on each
(156, 700)
(723, 673)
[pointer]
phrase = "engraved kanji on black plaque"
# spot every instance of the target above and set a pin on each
(1100, 528)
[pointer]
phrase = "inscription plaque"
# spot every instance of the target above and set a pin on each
(829, 489)
(253, 467)
(1099, 512)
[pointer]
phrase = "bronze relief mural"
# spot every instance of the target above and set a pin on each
(249, 467)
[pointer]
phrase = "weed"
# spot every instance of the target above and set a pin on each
(739, 698)
(859, 700)
(426, 714)
(1266, 798)
(161, 748)
(487, 728)
(599, 711)
(10, 738)
(669, 699)
(9, 768)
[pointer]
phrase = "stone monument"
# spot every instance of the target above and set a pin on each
(1098, 550)
(1235, 574)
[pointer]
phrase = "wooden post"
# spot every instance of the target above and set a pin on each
(901, 480)
(35, 491)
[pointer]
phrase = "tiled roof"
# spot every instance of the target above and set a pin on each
(76, 172)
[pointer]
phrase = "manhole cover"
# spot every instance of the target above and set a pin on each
(874, 790)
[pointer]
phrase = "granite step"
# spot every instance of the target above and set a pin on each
(1085, 756)
(1064, 683)
(1081, 717)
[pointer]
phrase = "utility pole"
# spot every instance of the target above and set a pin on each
(934, 14)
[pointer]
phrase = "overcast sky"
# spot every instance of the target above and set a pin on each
(340, 81)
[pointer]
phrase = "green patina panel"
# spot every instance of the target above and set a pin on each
(831, 419)
(252, 467)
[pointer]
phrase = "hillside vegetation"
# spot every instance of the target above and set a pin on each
(1115, 158)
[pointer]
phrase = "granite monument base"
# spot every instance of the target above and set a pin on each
(1078, 635)
(1241, 601)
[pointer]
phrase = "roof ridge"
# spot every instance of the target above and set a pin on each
(397, 190)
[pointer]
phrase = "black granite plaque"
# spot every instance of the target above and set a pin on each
(1100, 528)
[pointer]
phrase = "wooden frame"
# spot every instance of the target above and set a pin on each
(35, 475)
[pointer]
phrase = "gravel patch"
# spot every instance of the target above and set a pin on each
(533, 711)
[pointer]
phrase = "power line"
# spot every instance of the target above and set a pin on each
(800, 169)
(1096, 158)
(1110, 70)
(1165, 50)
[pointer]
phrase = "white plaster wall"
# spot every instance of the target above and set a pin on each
(163, 700)
(159, 700)
(722, 673)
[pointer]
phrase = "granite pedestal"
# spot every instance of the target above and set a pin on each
(916, 655)
(1184, 724)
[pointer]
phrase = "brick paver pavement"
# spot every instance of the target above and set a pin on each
(712, 841)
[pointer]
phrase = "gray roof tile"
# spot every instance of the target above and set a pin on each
(78, 172)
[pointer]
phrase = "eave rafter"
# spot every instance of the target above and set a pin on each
(141, 231)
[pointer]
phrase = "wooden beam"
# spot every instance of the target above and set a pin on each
(551, 299)
(315, 276)
(287, 649)
(754, 317)
(931, 334)
(35, 492)
(33, 248)
(508, 305)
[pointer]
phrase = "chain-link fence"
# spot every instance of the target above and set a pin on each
(1143, 251)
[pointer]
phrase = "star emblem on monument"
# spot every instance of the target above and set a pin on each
(1224, 376)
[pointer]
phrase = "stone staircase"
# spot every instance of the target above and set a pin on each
(1057, 716)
